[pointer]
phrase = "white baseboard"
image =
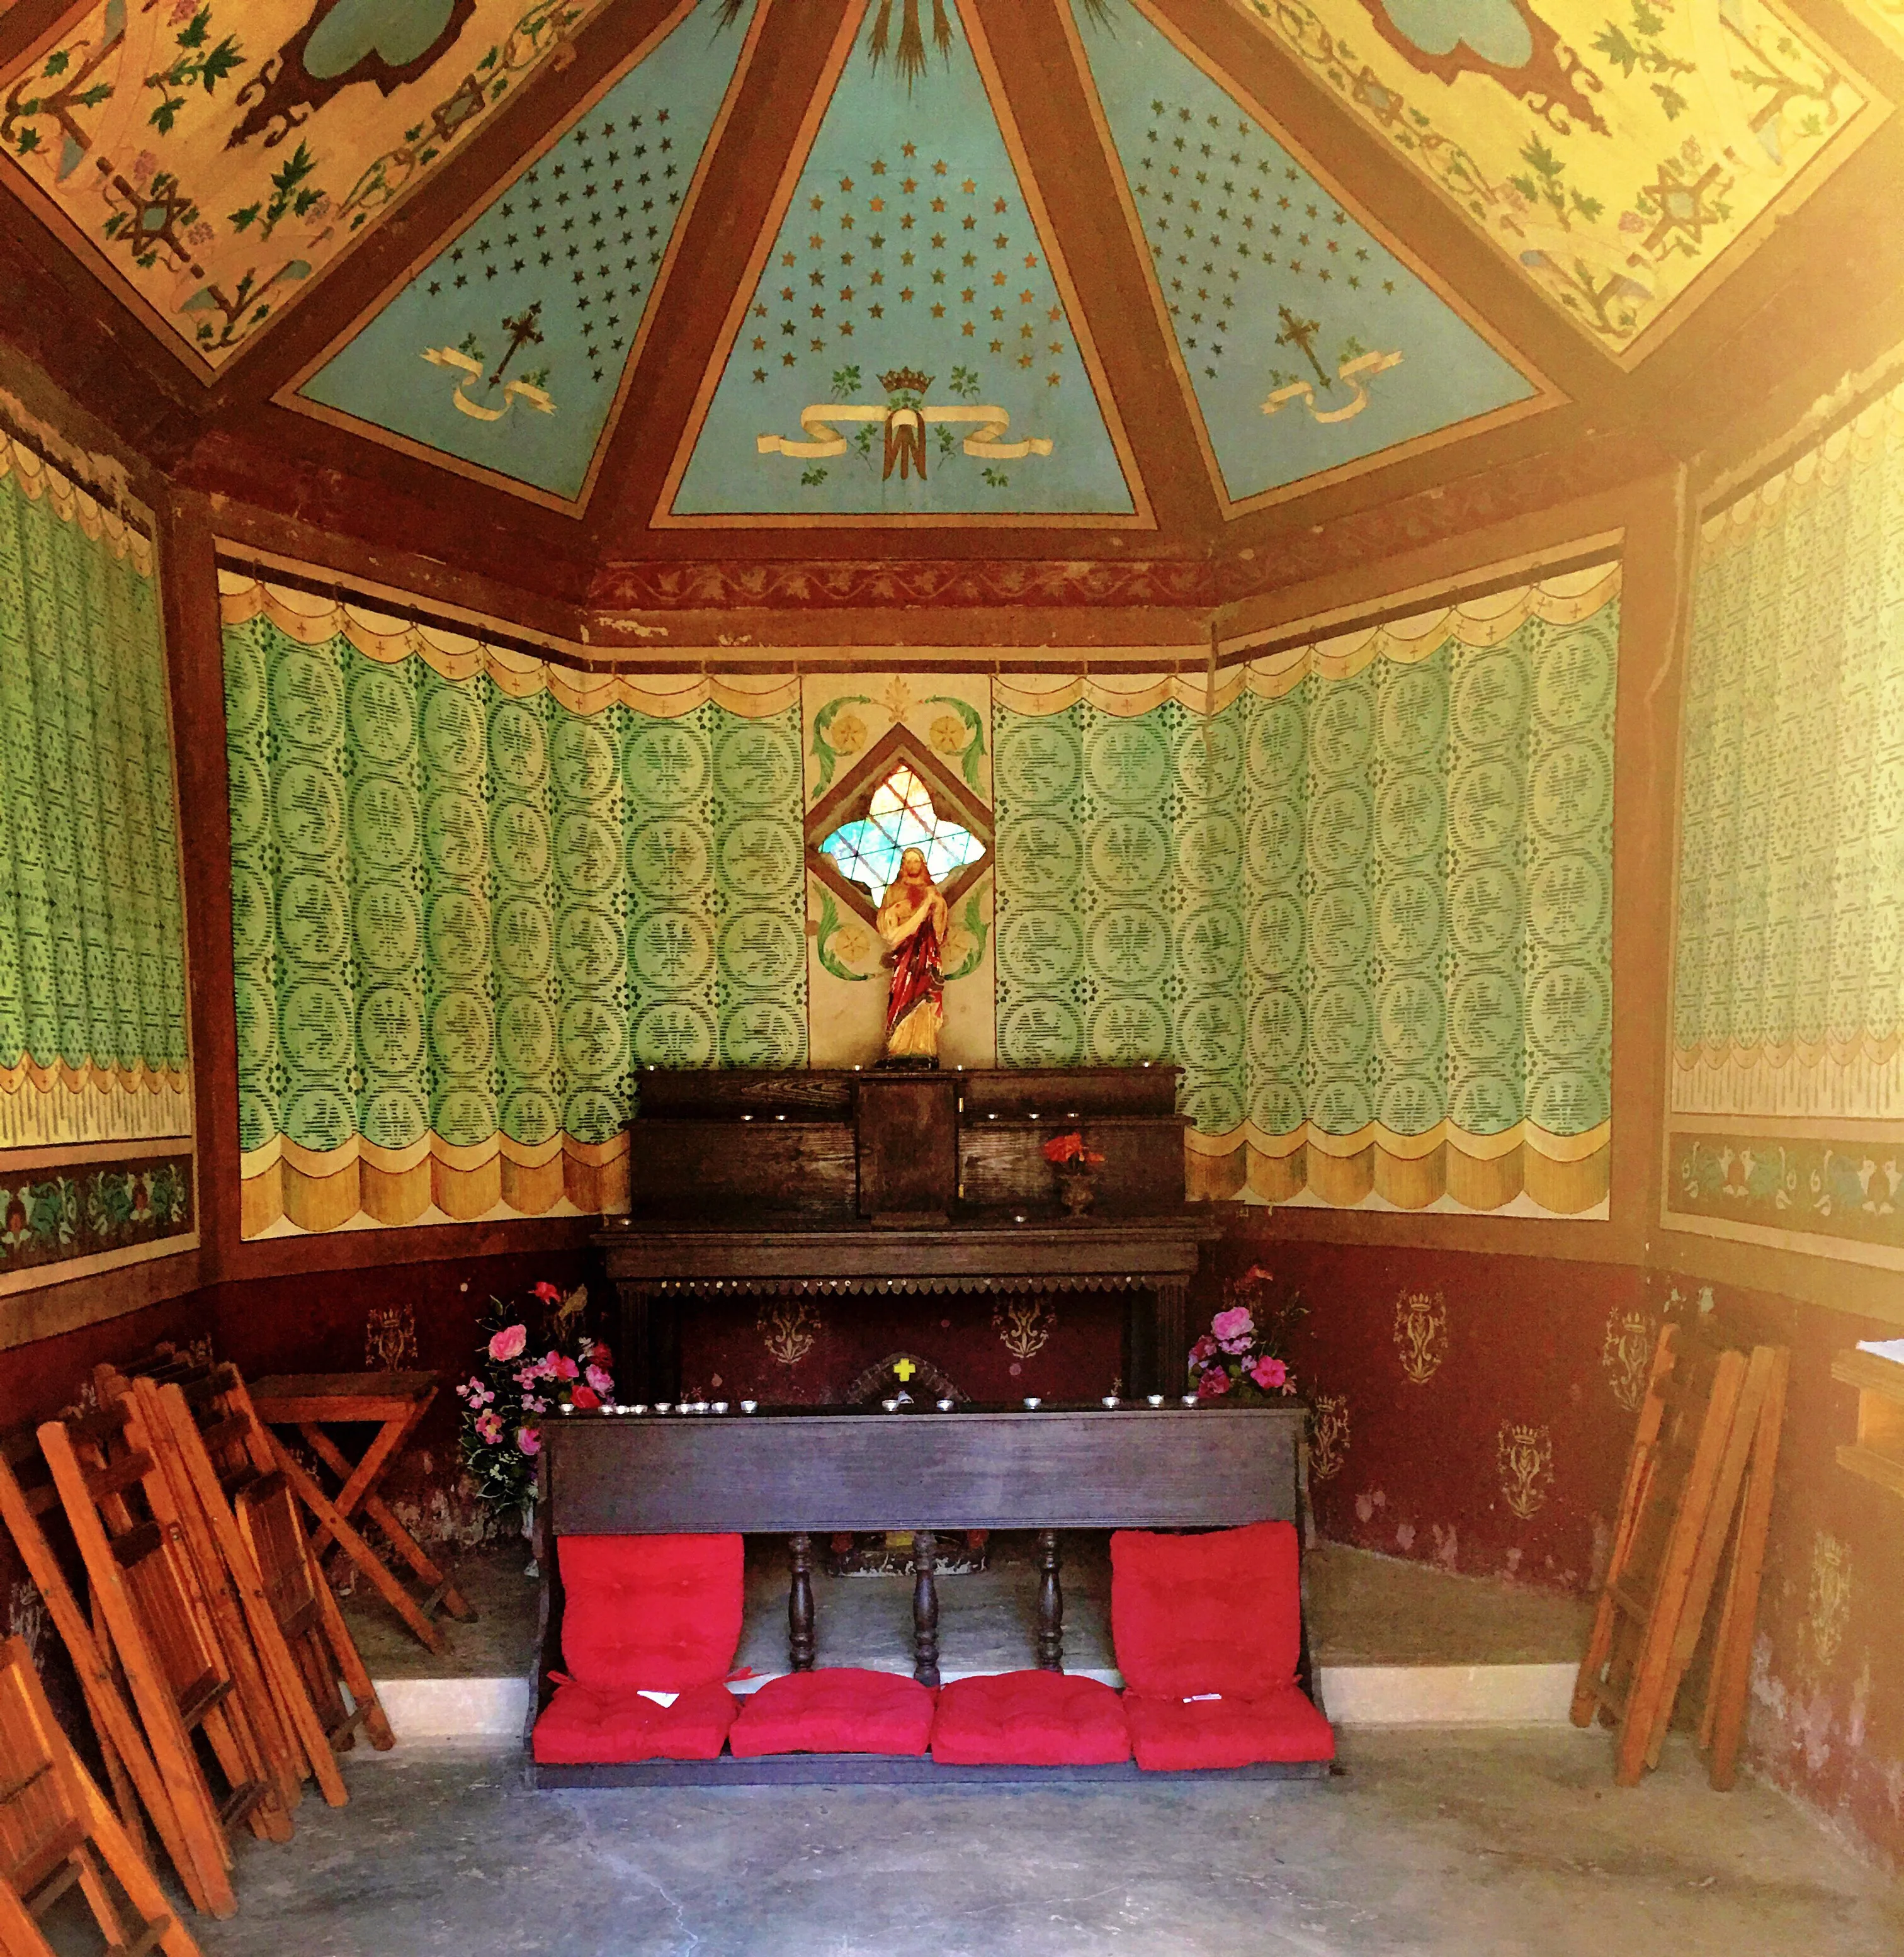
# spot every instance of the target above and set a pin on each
(484, 1712)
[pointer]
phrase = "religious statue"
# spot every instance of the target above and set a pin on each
(912, 921)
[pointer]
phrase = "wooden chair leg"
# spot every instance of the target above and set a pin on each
(354, 1546)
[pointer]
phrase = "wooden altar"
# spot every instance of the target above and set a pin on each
(838, 1182)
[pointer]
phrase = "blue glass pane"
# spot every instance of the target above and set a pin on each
(900, 816)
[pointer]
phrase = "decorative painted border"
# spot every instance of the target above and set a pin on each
(64, 1217)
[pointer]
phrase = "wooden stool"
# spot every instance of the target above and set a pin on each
(395, 1403)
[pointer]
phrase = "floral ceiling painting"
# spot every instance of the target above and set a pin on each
(216, 156)
(1623, 156)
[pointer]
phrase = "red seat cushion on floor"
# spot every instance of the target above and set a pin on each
(1217, 1613)
(662, 1612)
(1030, 1719)
(1170, 1736)
(579, 1726)
(838, 1711)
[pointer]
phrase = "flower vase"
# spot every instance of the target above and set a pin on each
(1077, 1189)
(533, 1569)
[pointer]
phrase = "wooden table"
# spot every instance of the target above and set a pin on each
(799, 1474)
(395, 1403)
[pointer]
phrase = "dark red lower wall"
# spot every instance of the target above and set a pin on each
(1474, 1411)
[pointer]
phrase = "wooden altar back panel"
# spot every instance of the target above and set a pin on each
(726, 1093)
(1069, 1093)
(1168, 1467)
(1002, 1165)
(713, 1167)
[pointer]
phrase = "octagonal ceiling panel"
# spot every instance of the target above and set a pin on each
(507, 353)
(907, 343)
(1307, 345)
(212, 156)
(1623, 154)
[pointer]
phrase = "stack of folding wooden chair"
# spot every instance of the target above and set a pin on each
(214, 1661)
(1697, 1495)
(203, 1425)
(56, 1831)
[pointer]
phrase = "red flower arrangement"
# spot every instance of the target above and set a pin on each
(1242, 1352)
(1068, 1152)
(504, 1399)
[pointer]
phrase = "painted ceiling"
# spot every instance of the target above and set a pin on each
(532, 317)
(1615, 153)
(909, 344)
(1308, 343)
(216, 155)
(695, 274)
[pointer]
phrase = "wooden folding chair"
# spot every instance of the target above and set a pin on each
(134, 1774)
(1681, 1449)
(173, 1503)
(145, 1591)
(1722, 1720)
(225, 1452)
(56, 1830)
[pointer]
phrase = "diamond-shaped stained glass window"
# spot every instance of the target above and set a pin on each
(900, 817)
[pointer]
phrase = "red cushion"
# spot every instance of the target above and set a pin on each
(842, 1711)
(578, 1726)
(1218, 1613)
(1029, 1719)
(662, 1612)
(1169, 1735)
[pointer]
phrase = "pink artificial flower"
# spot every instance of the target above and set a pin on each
(603, 1356)
(549, 1294)
(603, 1381)
(1269, 1373)
(529, 1440)
(488, 1428)
(1214, 1382)
(586, 1398)
(562, 1367)
(528, 1376)
(507, 1344)
(1235, 1323)
(1236, 1347)
(1204, 1348)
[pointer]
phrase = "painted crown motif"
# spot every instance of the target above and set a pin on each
(905, 381)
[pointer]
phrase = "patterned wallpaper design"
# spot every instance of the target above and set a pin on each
(95, 1067)
(1618, 156)
(1366, 903)
(1784, 1106)
(93, 1041)
(217, 155)
(473, 896)
(1306, 343)
(533, 315)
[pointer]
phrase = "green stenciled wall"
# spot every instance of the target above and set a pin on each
(468, 906)
(94, 1052)
(1788, 991)
(1366, 903)
(1361, 891)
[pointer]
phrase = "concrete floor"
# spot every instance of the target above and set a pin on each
(1471, 1845)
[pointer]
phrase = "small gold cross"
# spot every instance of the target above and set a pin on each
(904, 1370)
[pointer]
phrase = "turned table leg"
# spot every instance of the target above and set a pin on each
(925, 1609)
(800, 1640)
(1051, 1605)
